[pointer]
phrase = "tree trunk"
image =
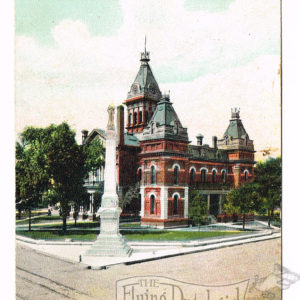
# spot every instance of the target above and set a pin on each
(29, 219)
(64, 224)
(244, 221)
(19, 213)
(269, 218)
(75, 221)
(272, 215)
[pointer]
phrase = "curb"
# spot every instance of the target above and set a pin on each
(189, 243)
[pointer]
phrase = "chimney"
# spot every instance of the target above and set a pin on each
(120, 124)
(214, 141)
(199, 139)
(84, 135)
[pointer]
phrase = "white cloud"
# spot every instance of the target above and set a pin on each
(77, 78)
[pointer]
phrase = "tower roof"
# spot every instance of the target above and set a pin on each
(165, 123)
(145, 83)
(236, 128)
(165, 113)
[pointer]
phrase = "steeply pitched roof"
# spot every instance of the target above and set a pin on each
(165, 113)
(165, 123)
(94, 133)
(145, 83)
(236, 128)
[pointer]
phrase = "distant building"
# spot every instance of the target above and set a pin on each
(155, 152)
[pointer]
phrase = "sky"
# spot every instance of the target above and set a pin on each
(75, 57)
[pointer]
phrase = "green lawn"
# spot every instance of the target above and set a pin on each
(158, 235)
(38, 219)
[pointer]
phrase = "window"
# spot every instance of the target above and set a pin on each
(153, 179)
(214, 176)
(192, 176)
(139, 175)
(175, 208)
(135, 118)
(152, 199)
(130, 119)
(246, 175)
(223, 176)
(140, 116)
(203, 175)
(176, 175)
(146, 116)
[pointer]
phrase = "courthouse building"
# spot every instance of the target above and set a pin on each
(154, 150)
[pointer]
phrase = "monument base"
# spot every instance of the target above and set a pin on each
(109, 245)
(109, 242)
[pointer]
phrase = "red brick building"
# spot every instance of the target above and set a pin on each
(154, 150)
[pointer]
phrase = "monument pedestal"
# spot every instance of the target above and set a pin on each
(109, 242)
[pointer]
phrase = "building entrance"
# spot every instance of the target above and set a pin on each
(214, 204)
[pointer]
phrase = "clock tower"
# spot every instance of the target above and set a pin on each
(142, 98)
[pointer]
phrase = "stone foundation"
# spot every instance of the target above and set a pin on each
(165, 223)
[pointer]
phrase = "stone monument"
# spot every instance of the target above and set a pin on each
(110, 242)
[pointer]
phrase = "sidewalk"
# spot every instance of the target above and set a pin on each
(142, 251)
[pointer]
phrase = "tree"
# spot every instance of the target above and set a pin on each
(67, 168)
(31, 170)
(98, 195)
(243, 199)
(48, 160)
(131, 195)
(268, 179)
(198, 207)
(95, 154)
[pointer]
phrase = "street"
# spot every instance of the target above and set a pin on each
(39, 276)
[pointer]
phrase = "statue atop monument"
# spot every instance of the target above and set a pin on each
(111, 117)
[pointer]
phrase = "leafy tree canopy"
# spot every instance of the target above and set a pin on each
(197, 207)
(49, 159)
(95, 153)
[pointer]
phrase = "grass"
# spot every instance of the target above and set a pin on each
(158, 235)
(175, 235)
(38, 219)
(58, 235)
(137, 224)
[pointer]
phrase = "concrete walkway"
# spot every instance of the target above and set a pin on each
(142, 251)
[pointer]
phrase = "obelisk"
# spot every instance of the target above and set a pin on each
(110, 242)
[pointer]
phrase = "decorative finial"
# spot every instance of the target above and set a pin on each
(145, 56)
(235, 113)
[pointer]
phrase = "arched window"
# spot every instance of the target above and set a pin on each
(192, 176)
(214, 176)
(135, 118)
(223, 176)
(139, 175)
(130, 118)
(140, 116)
(246, 175)
(152, 199)
(203, 175)
(146, 116)
(176, 175)
(153, 179)
(175, 208)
